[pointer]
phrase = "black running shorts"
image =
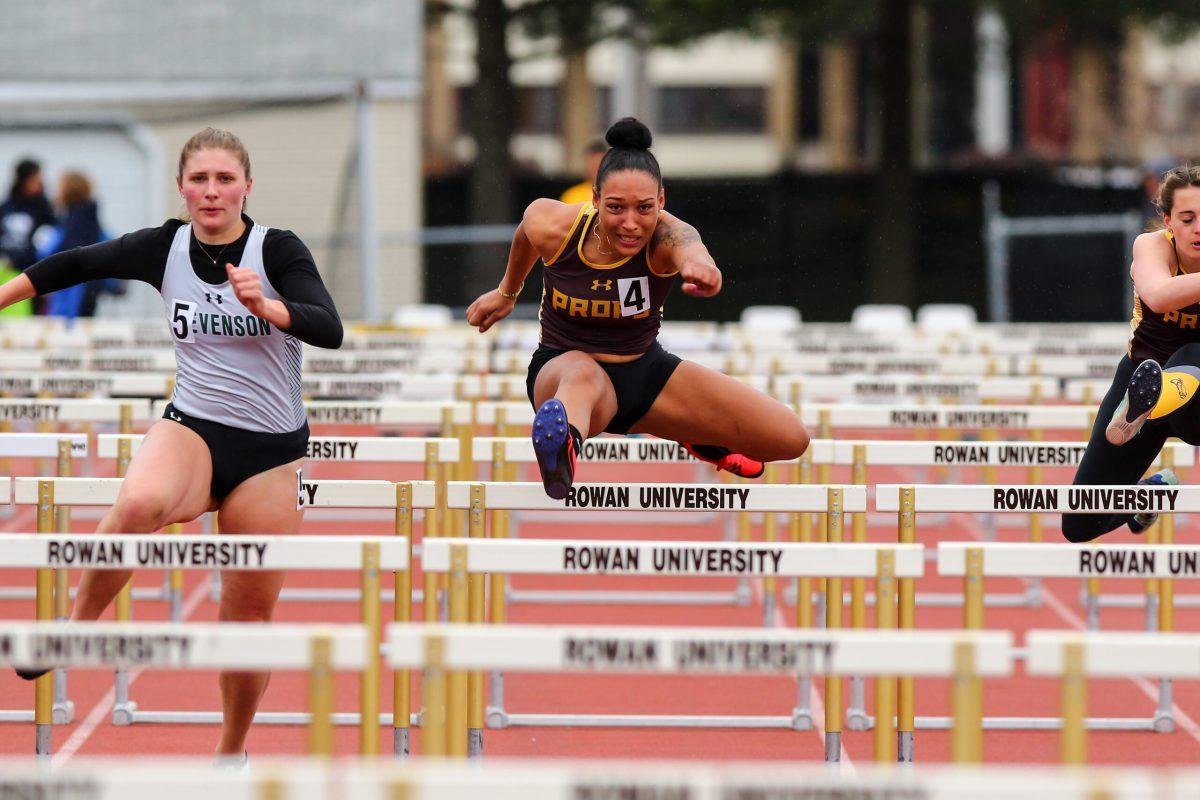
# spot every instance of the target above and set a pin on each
(238, 454)
(637, 383)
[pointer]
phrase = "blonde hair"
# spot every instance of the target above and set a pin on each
(74, 188)
(214, 139)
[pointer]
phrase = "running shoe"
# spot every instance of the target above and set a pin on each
(1145, 386)
(555, 448)
(1164, 477)
(723, 458)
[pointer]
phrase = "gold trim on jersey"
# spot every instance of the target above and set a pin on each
(579, 247)
(650, 266)
(570, 234)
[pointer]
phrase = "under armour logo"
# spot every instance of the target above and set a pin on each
(1178, 384)
(597, 285)
(214, 298)
(174, 416)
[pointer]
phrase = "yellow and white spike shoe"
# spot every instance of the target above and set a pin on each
(1145, 387)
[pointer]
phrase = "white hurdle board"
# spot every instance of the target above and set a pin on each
(1064, 560)
(614, 557)
(698, 650)
(876, 388)
(227, 645)
(122, 360)
(1041, 498)
(397, 449)
(995, 454)
(866, 415)
(156, 551)
(1117, 654)
(782, 498)
(102, 384)
(598, 450)
(317, 494)
(71, 410)
(41, 445)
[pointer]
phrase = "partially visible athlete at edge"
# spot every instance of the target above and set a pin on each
(1151, 401)
(609, 266)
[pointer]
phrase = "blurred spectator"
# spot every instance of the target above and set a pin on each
(25, 210)
(78, 226)
(582, 191)
(21, 215)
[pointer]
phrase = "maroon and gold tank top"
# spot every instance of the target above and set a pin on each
(1158, 336)
(600, 308)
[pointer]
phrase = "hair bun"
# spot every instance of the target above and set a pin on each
(630, 134)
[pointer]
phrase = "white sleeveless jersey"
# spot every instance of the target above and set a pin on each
(233, 368)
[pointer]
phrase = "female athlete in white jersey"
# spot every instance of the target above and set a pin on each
(240, 298)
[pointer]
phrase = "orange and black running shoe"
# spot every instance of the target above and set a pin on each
(723, 458)
(554, 447)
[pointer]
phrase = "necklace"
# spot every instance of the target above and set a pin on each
(211, 257)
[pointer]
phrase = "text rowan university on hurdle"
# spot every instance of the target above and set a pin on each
(97, 552)
(1081, 498)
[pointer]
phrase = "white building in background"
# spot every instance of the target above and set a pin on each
(117, 95)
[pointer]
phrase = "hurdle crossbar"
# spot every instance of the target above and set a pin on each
(442, 649)
(234, 646)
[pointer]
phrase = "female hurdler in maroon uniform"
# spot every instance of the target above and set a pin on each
(609, 266)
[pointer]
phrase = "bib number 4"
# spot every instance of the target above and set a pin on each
(635, 295)
(182, 315)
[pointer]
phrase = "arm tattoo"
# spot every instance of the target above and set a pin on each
(677, 235)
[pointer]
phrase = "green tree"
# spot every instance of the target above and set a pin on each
(885, 27)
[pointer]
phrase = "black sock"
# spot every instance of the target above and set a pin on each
(712, 451)
(577, 437)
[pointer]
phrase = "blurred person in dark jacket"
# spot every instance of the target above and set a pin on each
(23, 213)
(78, 226)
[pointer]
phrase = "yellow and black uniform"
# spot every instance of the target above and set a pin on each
(611, 308)
(600, 308)
(1173, 340)
(1158, 336)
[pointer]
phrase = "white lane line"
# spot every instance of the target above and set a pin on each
(815, 702)
(103, 708)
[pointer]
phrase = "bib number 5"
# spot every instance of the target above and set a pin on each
(635, 295)
(182, 314)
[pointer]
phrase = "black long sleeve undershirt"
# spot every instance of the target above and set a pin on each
(142, 256)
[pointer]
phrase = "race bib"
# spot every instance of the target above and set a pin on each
(635, 295)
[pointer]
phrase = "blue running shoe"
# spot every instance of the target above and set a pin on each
(555, 448)
(1145, 386)
(1164, 477)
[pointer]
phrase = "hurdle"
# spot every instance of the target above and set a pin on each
(504, 454)
(769, 499)
(1074, 657)
(320, 649)
(528, 779)
(86, 384)
(463, 558)
(1160, 563)
(433, 453)
(973, 565)
(444, 651)
(47, 493)
(792, 388)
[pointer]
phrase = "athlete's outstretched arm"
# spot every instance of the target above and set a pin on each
(14, 291)
(1152, 277)
(538, 225)
(676, 247)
